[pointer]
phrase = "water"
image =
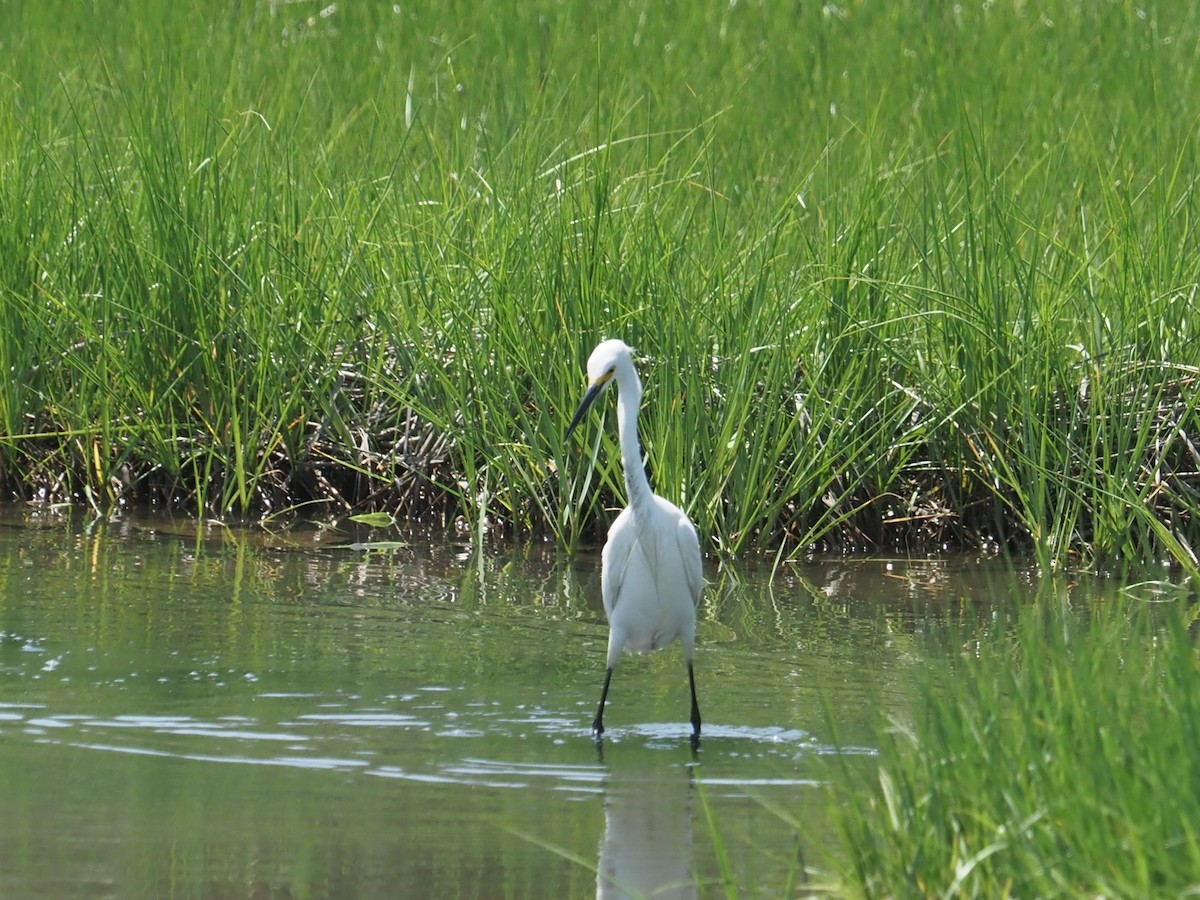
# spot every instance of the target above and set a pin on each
(185, 711)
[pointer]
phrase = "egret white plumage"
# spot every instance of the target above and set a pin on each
(651, 575)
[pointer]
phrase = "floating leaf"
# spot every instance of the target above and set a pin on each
(374, 520)
(377, 545)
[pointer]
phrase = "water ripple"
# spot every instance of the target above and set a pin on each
(338, 734)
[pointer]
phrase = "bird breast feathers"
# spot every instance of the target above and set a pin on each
(662, 552)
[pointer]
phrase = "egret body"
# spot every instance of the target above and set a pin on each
(651, 575)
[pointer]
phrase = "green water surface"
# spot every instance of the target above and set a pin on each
(189, 712)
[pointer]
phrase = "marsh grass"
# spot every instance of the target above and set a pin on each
(1048, 761)
(899, 276)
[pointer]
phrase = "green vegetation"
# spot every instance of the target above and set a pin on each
(904, 274)
(1053, 761)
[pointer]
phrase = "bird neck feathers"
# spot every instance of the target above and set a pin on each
(629, 399)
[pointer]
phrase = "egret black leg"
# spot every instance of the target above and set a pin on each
(598, 724)
(695, 705)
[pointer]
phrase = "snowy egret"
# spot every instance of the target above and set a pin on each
(650, 575)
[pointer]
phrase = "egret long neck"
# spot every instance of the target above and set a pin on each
(629, 399)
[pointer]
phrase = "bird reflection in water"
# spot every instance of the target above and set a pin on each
(646, 850)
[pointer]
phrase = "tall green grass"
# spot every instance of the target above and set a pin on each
(901, 275)
(1052, 760)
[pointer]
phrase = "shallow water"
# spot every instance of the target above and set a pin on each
(185, 711)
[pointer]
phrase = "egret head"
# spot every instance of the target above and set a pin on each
(601, 367)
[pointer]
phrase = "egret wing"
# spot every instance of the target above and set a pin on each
(689, 554)
(620, 546)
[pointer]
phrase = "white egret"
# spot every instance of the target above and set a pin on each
(651, 576)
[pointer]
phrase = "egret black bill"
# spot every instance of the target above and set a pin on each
(595, 389)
